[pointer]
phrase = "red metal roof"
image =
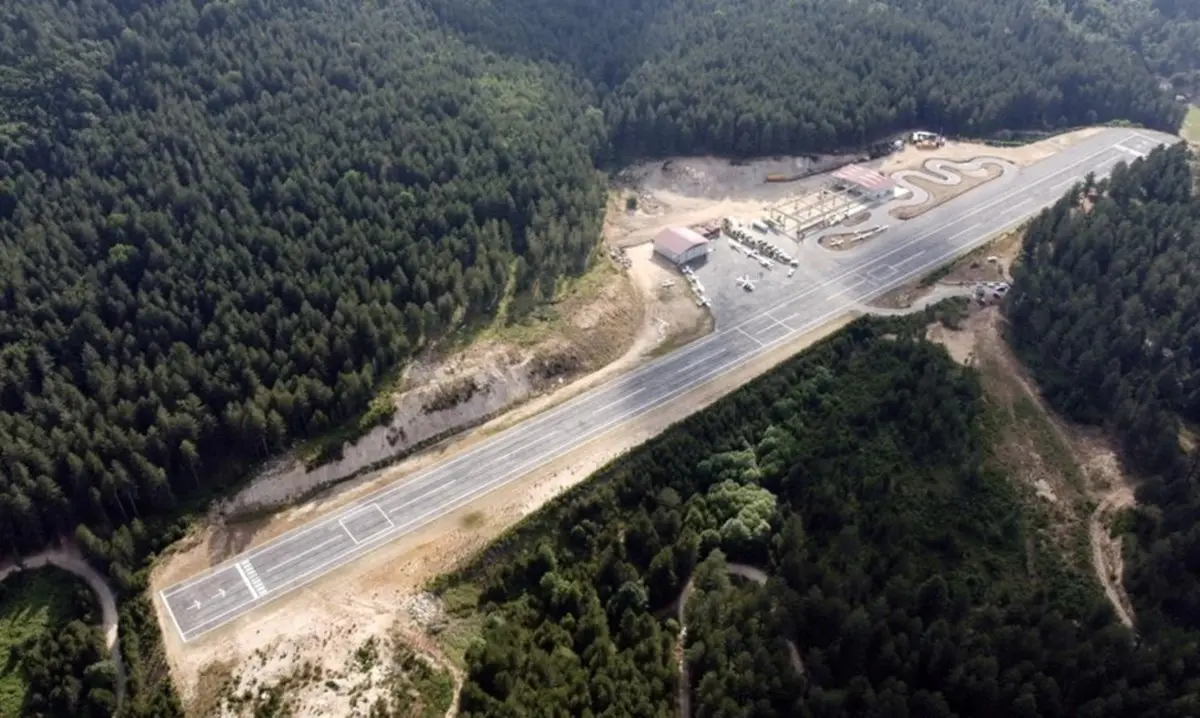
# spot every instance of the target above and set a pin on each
(864, 178)
(677, 240)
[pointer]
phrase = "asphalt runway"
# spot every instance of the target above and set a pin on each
(906, 250)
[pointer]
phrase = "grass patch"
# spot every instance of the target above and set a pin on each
(938, 274)
(31, 603)
(1057, 544)
(420, 689)
(465, 623)
(1047, 442)
(702, 327)
(473, 520)
(1191, 125)
(523, 320)
(213, 688)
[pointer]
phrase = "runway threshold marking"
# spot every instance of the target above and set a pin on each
(483, 490)
(578, 403)
(246, 570)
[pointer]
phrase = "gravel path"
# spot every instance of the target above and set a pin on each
(751, 573)
(69, 559)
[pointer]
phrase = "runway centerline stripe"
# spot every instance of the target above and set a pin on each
(410, 489)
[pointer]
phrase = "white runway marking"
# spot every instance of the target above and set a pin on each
(244, 568)
(296, 557)
(359, 512)
(443, 478)
(850, 288)
(746, 334)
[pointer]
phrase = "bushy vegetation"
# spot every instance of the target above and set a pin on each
(1106, 313)
(896, 551)
(52, 657)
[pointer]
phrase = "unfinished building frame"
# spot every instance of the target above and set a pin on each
(797, 217)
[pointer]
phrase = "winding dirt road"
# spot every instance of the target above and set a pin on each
(1106, 552)
(752, 573)
(69, 559)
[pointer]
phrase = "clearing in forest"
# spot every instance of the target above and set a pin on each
(1070, 475)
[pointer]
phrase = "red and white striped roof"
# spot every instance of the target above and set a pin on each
(864, 178)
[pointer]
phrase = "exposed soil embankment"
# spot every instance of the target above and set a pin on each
(442, 395)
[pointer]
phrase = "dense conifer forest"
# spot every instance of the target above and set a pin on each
(1106, 312)
(1165, 33)
(763, 77)
(222, 224)
(857, 478)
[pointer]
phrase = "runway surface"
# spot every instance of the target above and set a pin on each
(907, 250)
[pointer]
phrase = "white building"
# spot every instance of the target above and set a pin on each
(867, 183)
(680, 245)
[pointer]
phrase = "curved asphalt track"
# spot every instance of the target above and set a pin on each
(947, 173)
(908, 250)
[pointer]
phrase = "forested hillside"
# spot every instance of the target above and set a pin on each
(223, 223)
(764, 76)
(857, 476)
(1166, 33)
(1106, 311)
(229, 223)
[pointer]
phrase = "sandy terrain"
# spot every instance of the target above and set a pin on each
(325, 623)
(966, 272)
(442, 394)
(693, 190)
(912, 158)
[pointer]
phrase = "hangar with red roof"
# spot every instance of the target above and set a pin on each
(868, 183)
(680, 245)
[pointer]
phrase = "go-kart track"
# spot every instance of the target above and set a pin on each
(906, 250)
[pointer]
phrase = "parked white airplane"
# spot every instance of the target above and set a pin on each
(745, 283)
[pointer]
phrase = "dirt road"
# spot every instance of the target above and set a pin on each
(1106, 551)
(751, 573)
(69, 559)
